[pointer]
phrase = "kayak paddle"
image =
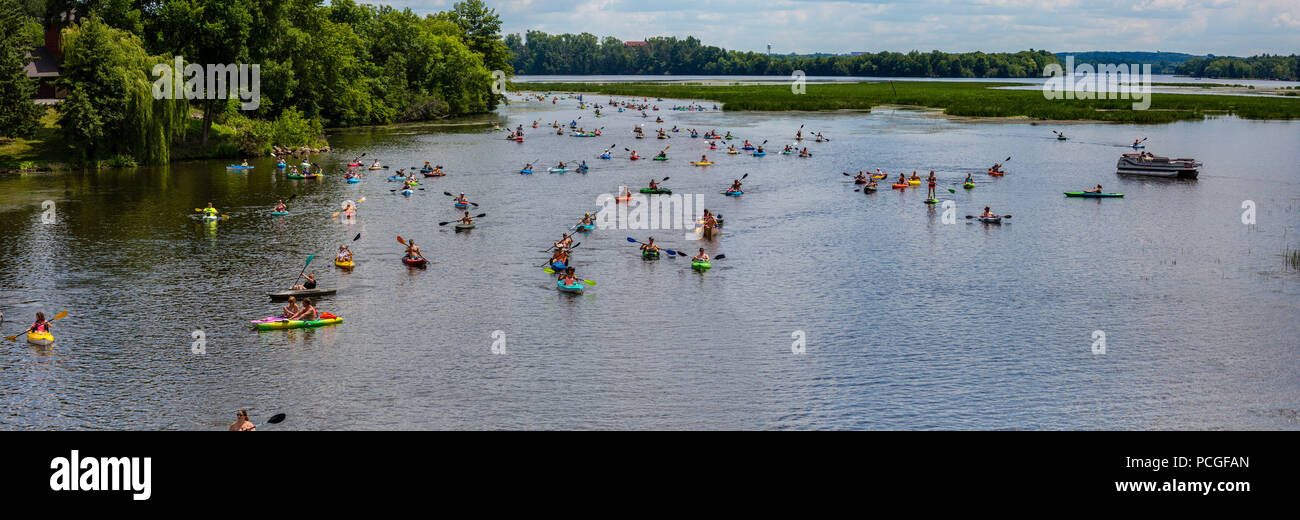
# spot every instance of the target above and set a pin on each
(548, 270)
(59, 316)
(275, 419)
(480, 215)
(304, 266)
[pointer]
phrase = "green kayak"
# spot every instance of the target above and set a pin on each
(663, 191)
(701, 266)
(968, 185)
(649, 255)
(294, 324)
(1086, 194)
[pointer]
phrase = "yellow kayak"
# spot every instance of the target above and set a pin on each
(40, 338)
(697, 163)
(346, 264)
(914, 182)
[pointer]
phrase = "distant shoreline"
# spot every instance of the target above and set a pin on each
(954, 98)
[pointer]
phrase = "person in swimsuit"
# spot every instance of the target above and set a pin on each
(931, 179)
(987, 213)
(902, 179)
(242, 424)
(466, 219)
(290, 309)
(308, 312)
(735, 185)
(702, 257)
(280, 207)
(1097, 190)
(650, 246)
(345, 254)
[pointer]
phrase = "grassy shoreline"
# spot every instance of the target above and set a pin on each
(971, 99)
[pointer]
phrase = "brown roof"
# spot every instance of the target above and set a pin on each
(634, 44)
(43, 64)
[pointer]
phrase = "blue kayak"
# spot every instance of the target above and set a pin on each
(760, 154)
(736, 193)
(238, 167)
(353, 180)
(584, 228)
(407, 192)
(606, 156)
(281, 165)
(525, 172)
(558, 266)
(575, 288)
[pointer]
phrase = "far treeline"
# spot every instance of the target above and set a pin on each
(339, 64)
(1255, 67)
(542, 53)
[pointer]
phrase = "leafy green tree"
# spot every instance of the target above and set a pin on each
(111, 107)
(18, 34)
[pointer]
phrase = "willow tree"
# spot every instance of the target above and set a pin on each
(111, 108)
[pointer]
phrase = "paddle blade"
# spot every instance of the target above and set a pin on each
(719, 257)
(275, 419)
(309, 259)
(589, 282)
(356, 238)
(400, 241)
(632, 240)
(548, 270)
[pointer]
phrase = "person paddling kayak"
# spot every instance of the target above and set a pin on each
(344, 254)
(466, 220)
(413, 251)
(702, 257)
(735, 185)
(280, 207)
(309, 284)
(460, 199)
(987, 213)
(1097, 190)
(663, 154)
(902, 179)
(969, 179)
(587, 220)
(860, 178)
(650, 246)
(210, 211)
(914, 177)
(242, 424)
(654, 185)
(40, 325)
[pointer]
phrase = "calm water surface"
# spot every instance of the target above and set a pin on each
(909, 323)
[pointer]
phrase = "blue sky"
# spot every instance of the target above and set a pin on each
(1224, 27)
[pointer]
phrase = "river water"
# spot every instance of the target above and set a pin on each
(904, 321)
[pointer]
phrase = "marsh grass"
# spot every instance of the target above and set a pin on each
(973, 99)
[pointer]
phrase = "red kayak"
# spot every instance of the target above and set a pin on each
(415, 262)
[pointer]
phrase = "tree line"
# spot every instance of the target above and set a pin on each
(339, 64)
(537, 52)
(1264, 66)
